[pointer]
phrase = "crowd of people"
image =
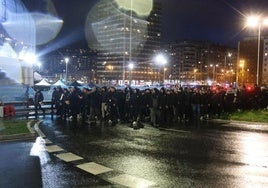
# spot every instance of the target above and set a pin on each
(159, 107)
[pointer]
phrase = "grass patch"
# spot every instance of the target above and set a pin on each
(251, 115)
(9, 127)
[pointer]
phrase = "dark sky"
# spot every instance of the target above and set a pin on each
(213, 20)
(219, 21)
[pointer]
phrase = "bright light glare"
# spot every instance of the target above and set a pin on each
(131, 66)
(39, 64)
(253, 21)
(265, 21)
(66, 60)
(39, 150)
(28, 57)
(105, 31)
(47, 27)
(160, 59)
(141, 7)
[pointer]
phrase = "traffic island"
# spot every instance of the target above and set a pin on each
(16, 130)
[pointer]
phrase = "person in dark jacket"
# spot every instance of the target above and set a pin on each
(64, 104)
(133, 105)
(56, 97)
(128, 93)
(95, 104)
(112, 105)
(195, 103)
(53, 101)
(73, 103)
(104, 102)
(162, 106)
(153, 105)
(38, 101)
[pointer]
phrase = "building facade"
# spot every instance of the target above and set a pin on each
(201, 62)
(81, 65)
(248, 61)
(125, 36)
(265, 62)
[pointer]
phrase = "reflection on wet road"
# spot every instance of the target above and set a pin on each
(199, 156)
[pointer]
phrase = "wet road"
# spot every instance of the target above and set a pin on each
(203, 155)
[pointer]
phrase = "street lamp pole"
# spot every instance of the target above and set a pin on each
(225, 63)
(242, 66)
(254, 21)
(164, 74)
(66, 69)
(130, 66)
(214, 71)
(161, 61)
(195, 71)
(258, 56)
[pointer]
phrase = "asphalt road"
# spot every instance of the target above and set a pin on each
(194, 155)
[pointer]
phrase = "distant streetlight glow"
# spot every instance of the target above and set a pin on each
(161, 60)
(164, 77)
(242, 66)
(131, 66)
(253, 21)
(214, 71)
(225, 62)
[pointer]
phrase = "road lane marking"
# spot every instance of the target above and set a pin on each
(47, 141)
(131, 181)
(53, 148)
(94, 168)
(68, 157)
(174, 130)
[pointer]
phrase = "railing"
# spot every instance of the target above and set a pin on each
(27, 109)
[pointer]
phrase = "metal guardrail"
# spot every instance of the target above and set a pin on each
(24, 108)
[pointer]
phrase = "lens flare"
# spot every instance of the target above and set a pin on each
(47, 27)
(140, 7)
(114, 28)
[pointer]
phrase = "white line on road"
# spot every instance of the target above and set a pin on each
(131, 181)
(53, 148)
(94, 168)
(68, 157)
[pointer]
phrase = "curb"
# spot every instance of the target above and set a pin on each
(20, 137)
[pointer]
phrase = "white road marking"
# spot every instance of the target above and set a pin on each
(53, 148)
(68, 157)
(131, 181)
(47, 141)
(94, 168)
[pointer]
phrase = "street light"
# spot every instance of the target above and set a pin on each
(66, 69)
(164, 76)
(257, 21)
(225, 62)
(161, 60)
(130, 66)
(195, 71)
(242, 65)
(214, 70)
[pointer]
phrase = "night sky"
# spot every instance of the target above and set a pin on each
(219, 21)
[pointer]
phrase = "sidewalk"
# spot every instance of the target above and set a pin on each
(17, 167)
